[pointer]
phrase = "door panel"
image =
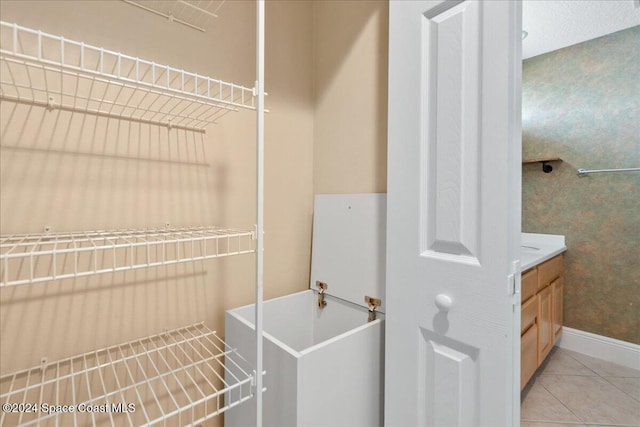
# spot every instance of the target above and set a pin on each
(452, 365)
(450, 91)
(453, 210)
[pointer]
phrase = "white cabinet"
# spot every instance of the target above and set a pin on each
(325, 367)
(325, 364)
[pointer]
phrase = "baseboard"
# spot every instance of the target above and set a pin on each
(605, 348)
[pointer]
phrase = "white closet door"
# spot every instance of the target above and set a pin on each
(452, 326)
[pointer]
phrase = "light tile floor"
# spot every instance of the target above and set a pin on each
(574, 390)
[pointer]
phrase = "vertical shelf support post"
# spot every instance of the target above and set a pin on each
(259, 203)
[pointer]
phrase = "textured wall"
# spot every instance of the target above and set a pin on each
(582, 104)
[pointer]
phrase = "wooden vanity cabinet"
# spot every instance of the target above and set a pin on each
(541, 316)
(529, 284)
(551, 281)
(528, 355)
(529, 340)
(557, 289)
(548, 271)
(529, 326)
(545, 323)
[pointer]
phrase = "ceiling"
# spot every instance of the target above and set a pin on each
(554, 24)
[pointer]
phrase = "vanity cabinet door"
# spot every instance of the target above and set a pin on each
(529, 314)
(545, 323)
(557, 288)
(528, 355)
(529, 341)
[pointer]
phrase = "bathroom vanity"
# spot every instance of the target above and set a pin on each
(542, 298)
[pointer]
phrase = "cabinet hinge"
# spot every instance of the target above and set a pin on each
(373, 303)
(322, 288)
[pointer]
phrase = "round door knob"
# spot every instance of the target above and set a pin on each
(443, 302)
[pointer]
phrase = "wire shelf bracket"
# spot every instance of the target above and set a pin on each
(180, 377)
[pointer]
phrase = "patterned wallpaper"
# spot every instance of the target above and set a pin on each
(582, 104)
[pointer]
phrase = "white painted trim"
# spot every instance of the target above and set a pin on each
(605, 348)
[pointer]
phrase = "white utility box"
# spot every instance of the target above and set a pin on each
(324, 366)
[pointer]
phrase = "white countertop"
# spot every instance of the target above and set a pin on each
(536, 248)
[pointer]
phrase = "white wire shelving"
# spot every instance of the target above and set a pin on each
(181, 377)
(192, 13)
(57, 73)
(33, 258)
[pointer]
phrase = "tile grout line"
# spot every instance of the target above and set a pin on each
(633, 397)
(579, 362)
(581, 422)
(541, 373)
(558, 399)
(563, 404)
(600, 360)
(599, 376)
(604, 378)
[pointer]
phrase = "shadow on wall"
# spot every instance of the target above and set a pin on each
(351, 63)
(344, 24)
(78, 172)
(289, 77)
(85, 172)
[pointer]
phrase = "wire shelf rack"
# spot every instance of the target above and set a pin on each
(192, 13)
(51, 71)
(33, 258)
(178, 378)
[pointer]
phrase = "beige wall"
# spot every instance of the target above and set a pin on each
(325, 133)
(350, 119)
(76, 172)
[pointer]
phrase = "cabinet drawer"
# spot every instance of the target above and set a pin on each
(529, 313)
(529, 284)
(549, 270)
(528, 355)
